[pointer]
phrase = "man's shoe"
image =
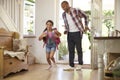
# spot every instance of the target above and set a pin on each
(79, 67)
(69, 68)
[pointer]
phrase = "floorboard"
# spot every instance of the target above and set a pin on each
(40, 72)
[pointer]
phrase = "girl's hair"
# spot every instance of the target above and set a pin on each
(47, 22)
(44, 38)
(50, 22)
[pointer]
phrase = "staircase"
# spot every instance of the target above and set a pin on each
(11, 14)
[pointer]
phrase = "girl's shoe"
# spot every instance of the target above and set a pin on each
(50, 67)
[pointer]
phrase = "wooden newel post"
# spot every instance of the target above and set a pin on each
(1, 62)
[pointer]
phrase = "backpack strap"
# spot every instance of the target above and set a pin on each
(46, 39)
(53, 38)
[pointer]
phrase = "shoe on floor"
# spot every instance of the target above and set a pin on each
(49, 67)
(78, 67)
(69, 68)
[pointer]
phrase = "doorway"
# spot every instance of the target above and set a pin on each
(62, 56)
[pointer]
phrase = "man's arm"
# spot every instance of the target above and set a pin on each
(81, 14)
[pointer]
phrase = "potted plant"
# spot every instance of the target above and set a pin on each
(63, 51)
(30, 32)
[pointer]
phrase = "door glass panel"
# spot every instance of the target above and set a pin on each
(63, 50)
(85, 5)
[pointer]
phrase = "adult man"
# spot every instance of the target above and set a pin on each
(74, 29)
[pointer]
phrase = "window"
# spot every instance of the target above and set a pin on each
(107, 17)
(29, 16)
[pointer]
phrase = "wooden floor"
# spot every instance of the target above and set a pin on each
(40, 72)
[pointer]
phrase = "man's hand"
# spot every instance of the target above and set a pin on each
(86, 28)
(65, 32)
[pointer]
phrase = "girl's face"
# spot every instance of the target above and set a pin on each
(49, 25)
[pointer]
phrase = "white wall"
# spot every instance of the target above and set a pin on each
(45, 10)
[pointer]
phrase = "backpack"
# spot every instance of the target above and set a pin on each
(57, 40)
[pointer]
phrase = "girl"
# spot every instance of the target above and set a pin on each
(49, 36)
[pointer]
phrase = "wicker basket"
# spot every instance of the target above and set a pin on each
(108, 72)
